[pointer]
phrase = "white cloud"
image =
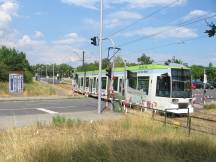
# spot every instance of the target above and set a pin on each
(91, 4)
(8, 9)
(149, 3)
(39, 34)
(195, 13)
(70, 39)
(164, 32)
(41, 51)
(94, 4)
(114, 19)
(121, 17)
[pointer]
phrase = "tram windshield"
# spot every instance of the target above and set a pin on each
(181, 83)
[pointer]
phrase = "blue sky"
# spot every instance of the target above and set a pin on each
(58, 30)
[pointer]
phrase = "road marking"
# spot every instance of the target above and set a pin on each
(33, 108)
(46, 110)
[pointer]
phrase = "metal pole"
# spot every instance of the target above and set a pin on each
(125, 79)
(84, 78)
(53, 74)
(165, 121)
(100, 58)
(46, 71)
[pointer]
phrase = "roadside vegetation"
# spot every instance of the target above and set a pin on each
(130, 138)
(13, 60)
(210, 106)
(30, 89)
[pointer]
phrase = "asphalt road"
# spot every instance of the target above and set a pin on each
(14, 108)
(27, 113)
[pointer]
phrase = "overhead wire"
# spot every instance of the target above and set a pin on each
(144, 18)
(197, 19)
(181, 42)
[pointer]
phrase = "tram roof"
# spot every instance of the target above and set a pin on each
(141, 67)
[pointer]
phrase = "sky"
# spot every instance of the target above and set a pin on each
(57, 31)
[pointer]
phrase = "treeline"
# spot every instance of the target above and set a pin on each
(13, 60)
(197, 70)
(62, 70)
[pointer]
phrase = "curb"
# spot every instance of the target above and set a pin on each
(2, 99)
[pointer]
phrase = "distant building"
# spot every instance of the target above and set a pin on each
(16, 82)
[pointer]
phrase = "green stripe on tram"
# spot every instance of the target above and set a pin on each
(137, 67)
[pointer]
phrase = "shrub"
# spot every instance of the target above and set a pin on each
(28, 76)
(62, 121)
(210, 106)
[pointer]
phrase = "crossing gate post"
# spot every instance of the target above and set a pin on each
(188, 116)
(189, 127)
(165, 119)
(153, 113)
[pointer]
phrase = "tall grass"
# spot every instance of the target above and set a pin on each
(129, 139)
(210, 106)
(30, 89)
(4, 90)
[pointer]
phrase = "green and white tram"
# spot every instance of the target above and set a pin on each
(160, 87)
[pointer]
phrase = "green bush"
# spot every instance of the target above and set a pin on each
(62, 121)
(59, 120)
(28, 76)
(210, 106)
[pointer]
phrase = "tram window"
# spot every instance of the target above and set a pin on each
(143, 84)
(120, 85)
(132, 82)
(81, 82)
(104, 82)
(87, 82)
(78, 82)
(163, 86)
(115, 84)
(94, 82)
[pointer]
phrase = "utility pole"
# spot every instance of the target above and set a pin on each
(100, 57)
(83, 64)
(53, 74)
(46, 72)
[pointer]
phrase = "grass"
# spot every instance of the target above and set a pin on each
(131, 138)
(62, 121)
(210, 106)
(30, 89)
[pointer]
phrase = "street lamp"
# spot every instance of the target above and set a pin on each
(100, 57)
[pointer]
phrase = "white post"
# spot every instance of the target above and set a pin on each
(100, 58)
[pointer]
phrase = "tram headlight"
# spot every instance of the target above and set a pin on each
(175, 101)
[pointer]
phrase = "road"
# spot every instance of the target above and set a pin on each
(23, 113)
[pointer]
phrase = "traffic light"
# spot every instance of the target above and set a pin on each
(94, 41)
(109, 72)
(202, 78)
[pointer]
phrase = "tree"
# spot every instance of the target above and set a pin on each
(118, 61)
(144, 59)
(211, 72)
(197, 71)
(13, 60)
(174, 60)
(211, 32)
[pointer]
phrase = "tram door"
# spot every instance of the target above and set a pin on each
(121, 87)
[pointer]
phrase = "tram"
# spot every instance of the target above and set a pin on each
(162, 87)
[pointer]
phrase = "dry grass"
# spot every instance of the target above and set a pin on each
(210, 106)
(4, 89)
(132, 138)
(38, 89)
(30, 89)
